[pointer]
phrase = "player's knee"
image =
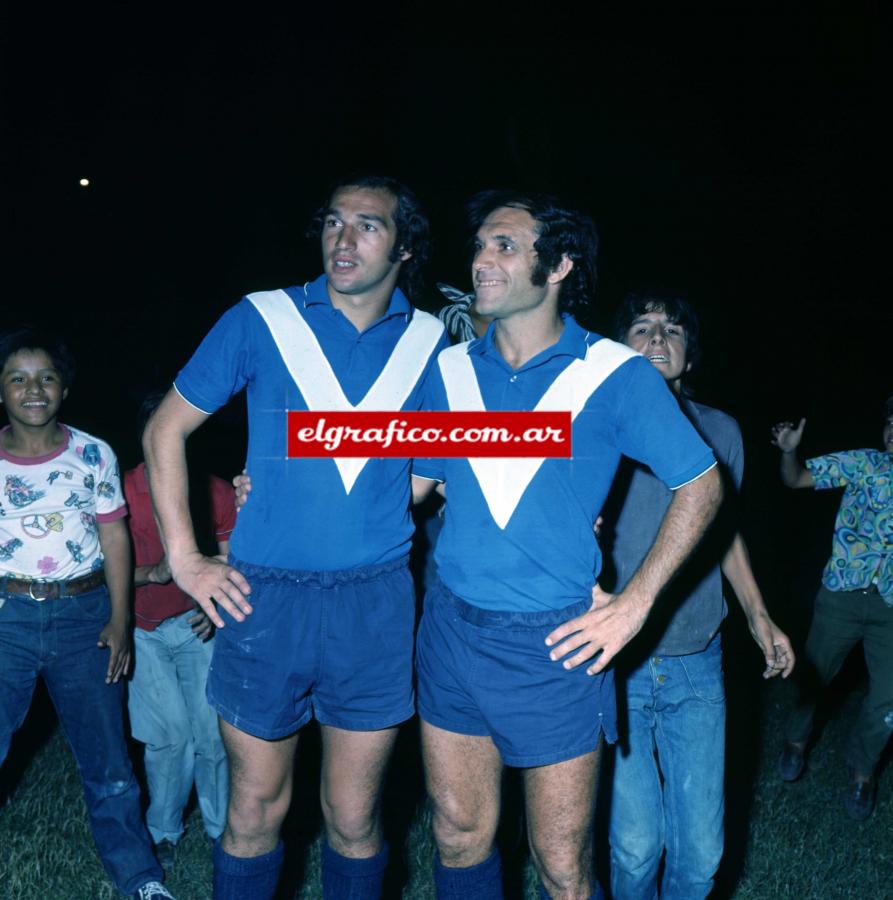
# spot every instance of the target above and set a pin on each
(254, 812)
(564, 866)
(349, 825)
(463, 838)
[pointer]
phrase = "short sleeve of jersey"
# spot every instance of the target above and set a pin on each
(836, 470)
(220, 366)
(108, 489)
(224, 508)
(434, 399)
(652, 429)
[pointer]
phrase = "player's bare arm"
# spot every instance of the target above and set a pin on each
(207, 580)
(772, 641)
(614, 619)
(115, 635)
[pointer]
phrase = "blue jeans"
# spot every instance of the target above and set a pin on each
(56, 639)
(668, 782)
(171, 716)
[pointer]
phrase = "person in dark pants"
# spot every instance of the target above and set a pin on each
(854, 603)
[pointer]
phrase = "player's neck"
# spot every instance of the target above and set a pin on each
(522, 336)
(28, 441)
(361, 310)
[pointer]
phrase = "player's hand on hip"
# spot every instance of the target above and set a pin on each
(603, 630)
(212, 583)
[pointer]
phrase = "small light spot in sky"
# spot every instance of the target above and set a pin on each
(84, 182)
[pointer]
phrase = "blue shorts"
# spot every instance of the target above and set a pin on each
(488, 673)
(333, 645)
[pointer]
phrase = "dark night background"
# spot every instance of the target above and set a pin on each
(730, 152)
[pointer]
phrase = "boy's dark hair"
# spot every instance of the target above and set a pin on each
(677, 309)
(27, 337)
(562, 231)
(888, 407)
(413, 229)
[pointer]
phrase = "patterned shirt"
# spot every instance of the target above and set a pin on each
(50, 506)
(862, 549)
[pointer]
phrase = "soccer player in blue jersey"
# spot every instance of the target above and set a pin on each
(316, 605)
(515, 639)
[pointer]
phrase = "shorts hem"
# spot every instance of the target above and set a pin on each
(446, 725)
(553, 757)
(379, 724)
(265, 734)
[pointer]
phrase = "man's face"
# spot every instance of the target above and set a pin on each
(888, 434)
(663, 343)
(31, 389)
(504, 260)
(358, 237)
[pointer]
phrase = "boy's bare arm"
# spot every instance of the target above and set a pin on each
(115, 543)
(772, 641)
(206, 579)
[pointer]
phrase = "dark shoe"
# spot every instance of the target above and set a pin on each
(858, 801)
(791, 763)
(166, 854)
(153, 890)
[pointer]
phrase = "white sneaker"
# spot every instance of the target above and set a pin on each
(153, 890)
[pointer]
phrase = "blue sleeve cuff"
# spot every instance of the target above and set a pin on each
(704, 464)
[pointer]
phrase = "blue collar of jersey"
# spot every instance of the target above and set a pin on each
(316, 293)
(574, 341)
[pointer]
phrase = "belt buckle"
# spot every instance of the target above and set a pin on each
(31, 591)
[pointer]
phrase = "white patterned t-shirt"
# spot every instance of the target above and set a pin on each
(50, 506)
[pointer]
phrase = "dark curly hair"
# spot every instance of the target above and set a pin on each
(562, 231)
(677, 309)
(413, 229)
(27, 337)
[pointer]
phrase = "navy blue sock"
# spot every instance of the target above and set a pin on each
(480, 882)
(352, 879)
(246, 877)
(597, 894)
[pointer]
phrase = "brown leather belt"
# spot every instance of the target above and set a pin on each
(51, 590)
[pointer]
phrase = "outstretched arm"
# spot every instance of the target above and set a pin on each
(205, 579)
(772, 641)
(615, 619)
(787, 438)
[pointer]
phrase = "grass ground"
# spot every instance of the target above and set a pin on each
(783, 841)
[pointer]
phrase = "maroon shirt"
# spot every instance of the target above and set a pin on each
(157, 602)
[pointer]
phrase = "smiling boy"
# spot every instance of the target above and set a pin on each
(64, 595)
(668, 795)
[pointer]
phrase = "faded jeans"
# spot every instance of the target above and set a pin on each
(171, 716)
(668, 783)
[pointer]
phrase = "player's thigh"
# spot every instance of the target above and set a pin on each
(560, 802)
(353, 768)
(260, 770)
(835, 629)
(463, 774)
